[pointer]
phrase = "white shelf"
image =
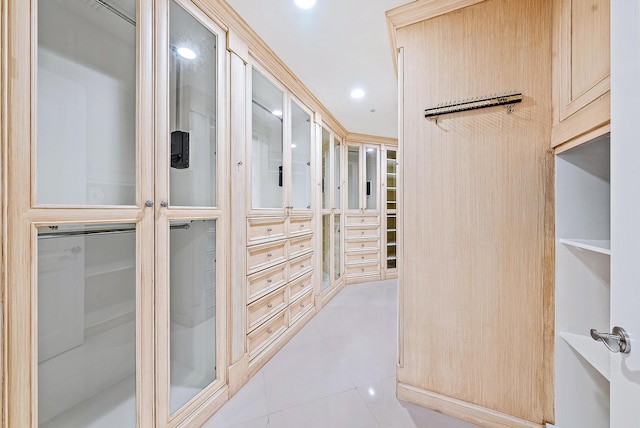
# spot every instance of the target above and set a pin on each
(594, 352)
(107, 268)
(392, 173)
(391, 258)
(595, 245)
(391, 244)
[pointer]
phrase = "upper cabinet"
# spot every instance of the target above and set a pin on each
(363, 179)
(581, 70)
(281, 141)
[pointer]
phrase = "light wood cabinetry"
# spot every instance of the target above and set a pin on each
(476, 282)
(279, 280)
(391, 189)
(581, 70)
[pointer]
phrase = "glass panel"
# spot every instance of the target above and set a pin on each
(392, 180)
(266, 147)
(86, 326)
(86, 147)
(337, 172)
(371, 156)
(193, 309)
(192, 110)
(337, 245)
(353, 177)
(391, 241)
(326, 168)
(300, 158)
(326, 251)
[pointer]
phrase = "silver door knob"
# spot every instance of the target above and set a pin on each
(149, 203)
(616, 341)
(164, 204)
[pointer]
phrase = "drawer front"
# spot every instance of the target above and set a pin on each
(262, 336)
(362, 220)
(300, 225)
(266, 281)
(362, 245)
(265, 229)
(300, 286)
(269, 305)
(368, 232)
(300, 246)
(359, 270)
(369, 257)
(300, 265)
(300, 307)
(262, 256)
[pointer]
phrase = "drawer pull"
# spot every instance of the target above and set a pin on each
(270, 305)
(302, 226)
(362, 245)
(269, 254)
(362, 269)
(302, 285)
(362, 233)
(301, 245)
(362, 220)
(269, 281)
(362, 257)
(269, 230)
(302, 305)
(269, 331)
(301, 266)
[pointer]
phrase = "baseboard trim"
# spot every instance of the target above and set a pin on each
(238, 374)
(460, 409)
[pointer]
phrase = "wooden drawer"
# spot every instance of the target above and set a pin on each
(261, 229)
(300, 286)
(362, 257)
(300, 265)
(262, 309)
(262, 256)
(360, 270)
(362, 244)
(363, 232)
(300, 225)
(266, 281)
(300, 307)
(362, 220)
(262, 336)
(300, 246)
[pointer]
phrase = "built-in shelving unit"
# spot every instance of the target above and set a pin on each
(391, 171)
(583, 262)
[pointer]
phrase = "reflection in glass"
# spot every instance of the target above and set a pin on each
(300, 158)
(326, 251)
(86, 101)
(337, 246)
(337, 173)
(192, 110)
(266, 147)
(353, 177)
(371, 181)
(326, 168)
(193, 309)
(86, 326)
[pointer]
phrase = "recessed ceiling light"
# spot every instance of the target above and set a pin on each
(357, 93)
(277, 113)
(305, 4)
(186, 53)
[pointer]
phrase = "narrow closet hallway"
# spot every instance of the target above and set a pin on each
(337, 372)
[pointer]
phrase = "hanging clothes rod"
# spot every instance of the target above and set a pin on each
(93, 232)
(474, 104)
(116, 11)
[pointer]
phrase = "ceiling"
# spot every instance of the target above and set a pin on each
(334, 47)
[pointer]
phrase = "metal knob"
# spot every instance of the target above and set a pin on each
(164, 204)
(616, 341)
(269, 255)
(269, 281)
(269, 331)
(148, 203)
(269, 305)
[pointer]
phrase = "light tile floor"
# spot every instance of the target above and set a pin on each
(337, 372)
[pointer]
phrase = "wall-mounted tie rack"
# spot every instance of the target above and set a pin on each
(458, 106)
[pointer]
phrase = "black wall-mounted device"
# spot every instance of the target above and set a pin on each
(368, 188)
(180, 149)
(280, 176)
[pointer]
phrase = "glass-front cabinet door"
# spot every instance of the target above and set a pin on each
(117, 252)
(363, 178)
(331, 152)
(281, 148)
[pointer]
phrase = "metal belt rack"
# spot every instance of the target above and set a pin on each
(474, 104)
